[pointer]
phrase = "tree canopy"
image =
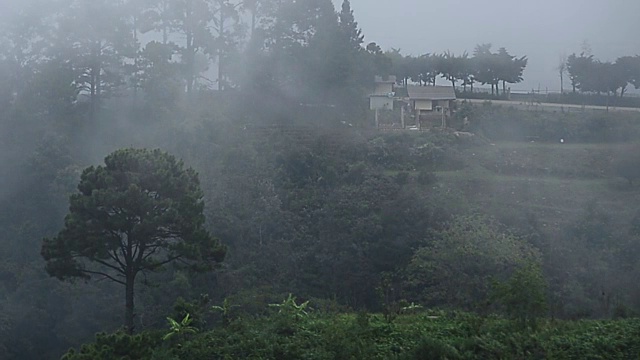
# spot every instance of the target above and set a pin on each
(589, 74)
(140, 211)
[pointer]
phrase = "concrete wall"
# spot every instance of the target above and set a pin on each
(423, 105)
(381, 103)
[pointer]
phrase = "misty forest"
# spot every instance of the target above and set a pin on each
(226, 179)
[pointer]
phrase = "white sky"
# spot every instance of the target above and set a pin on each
(540, 29)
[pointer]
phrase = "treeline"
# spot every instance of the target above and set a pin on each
(590, 75)
(158, 53)
(484, 67)
(163, 51)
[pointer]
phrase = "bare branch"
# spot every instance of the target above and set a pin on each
(114, 255)
(113, 267)
(105, 275)
(160, 264)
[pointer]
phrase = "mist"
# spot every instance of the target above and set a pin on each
(301, 178)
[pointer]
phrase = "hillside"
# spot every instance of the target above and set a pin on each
(553, 181)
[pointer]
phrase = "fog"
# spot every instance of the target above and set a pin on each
(543, 30)
(322, 178)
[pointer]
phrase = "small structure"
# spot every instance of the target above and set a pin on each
(383, 95)
(431, 103)
(384, 84)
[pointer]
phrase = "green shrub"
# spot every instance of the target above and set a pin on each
(118, 346)
(523, 295)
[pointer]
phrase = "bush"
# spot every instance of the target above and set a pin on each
(523, 295)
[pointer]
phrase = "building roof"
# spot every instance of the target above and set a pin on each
(431, 92)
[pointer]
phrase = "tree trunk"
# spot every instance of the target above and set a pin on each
(190, 51)
(220, 36)
(253, 22)
(190, 63)
(96, 68)
(128, 313)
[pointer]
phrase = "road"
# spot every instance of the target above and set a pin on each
(550, 106)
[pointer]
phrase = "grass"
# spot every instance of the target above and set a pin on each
(555, 182)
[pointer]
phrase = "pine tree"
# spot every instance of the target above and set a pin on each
(139, 212)
(349, 26)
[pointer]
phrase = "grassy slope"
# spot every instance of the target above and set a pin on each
(554, 182)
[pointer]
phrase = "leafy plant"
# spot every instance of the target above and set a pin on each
(291, 309)
(180, 329)
(225, 310)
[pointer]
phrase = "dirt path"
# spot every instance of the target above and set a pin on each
(552, 107)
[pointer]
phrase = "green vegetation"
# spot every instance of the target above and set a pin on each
(425, 335)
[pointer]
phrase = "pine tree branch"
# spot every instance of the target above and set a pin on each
(105, 275)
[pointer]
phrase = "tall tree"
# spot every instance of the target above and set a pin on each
(400, 64)
(487, 69)
(98, 38)
(382, 64)
(562, 70)
(252, 7)
(139, 212)
(425, 69)
(26, 41)
(629, 68)
(453, 68)
(159, 77)
(225, 28)
(158, 16)
(191, 20)
(578, 68)
(510, 68)
(349, 27)
(466, 71)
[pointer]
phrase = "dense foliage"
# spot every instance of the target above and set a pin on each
(426, 335)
